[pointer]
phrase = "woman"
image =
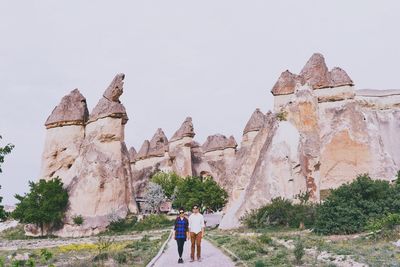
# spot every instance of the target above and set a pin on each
(181, 232)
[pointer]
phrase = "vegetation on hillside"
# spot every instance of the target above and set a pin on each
(192, 190)
(44, 205)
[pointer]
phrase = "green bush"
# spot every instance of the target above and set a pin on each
(122, 225)
(348, 208)
(281, 212)
(299, 250)
(121, 257)
(78, 220)
(384, 227)
(265, 239)
(153, 221)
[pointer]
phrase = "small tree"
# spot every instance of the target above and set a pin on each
(4, 151)
(195, 191)
(168, 182)
(44, 205)
(153, 197)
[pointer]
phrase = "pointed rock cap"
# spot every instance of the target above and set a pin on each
(231, 142)
(109, 105)
(186, 130)
(340, 78)
(315, 72)
(286, 83)
(144, 150)
(256, 122)
(132, 154)
(72, 110)
(218, 142)
(116, 88)
(158, 144)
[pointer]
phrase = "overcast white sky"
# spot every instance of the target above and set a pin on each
(213, 60)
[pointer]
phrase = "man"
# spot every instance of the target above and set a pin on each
(181, 232)
(196, 229)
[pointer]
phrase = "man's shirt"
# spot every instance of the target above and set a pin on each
(196, 223)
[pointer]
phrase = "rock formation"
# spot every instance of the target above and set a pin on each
(321, 133)
(92, 160)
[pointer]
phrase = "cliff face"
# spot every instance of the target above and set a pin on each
(91, 158)
(324, 133)
(321, 134)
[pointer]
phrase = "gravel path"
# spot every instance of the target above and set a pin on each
(211, 256)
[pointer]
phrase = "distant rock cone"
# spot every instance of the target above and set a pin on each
(256, 122)
(315, 72)
(158, 144)
(186, 130)
(132, 154)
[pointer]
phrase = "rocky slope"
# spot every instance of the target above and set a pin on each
(321, 134)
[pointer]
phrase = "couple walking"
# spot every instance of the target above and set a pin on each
(192, 228)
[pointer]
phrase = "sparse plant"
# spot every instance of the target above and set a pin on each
(299, 250)
(265, 239)
(282, 115)
(78, 220)
(45, 255)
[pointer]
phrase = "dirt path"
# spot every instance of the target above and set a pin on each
(211, 256)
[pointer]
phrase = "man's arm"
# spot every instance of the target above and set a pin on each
(203, 226)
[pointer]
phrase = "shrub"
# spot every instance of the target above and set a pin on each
(384, 227)
(122, 225)
(45, 255)
(281, 212)
(260, 263)
(282, 115)
(265, 239)
(299, 250)
(78, 220)
(153, 221)
(348, 208)
(120, 257)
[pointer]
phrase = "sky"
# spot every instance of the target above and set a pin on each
(215, 61)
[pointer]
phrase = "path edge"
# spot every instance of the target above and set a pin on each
(160, 252)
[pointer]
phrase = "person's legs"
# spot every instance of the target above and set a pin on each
(198, 244)
(193, 241)
(181, 243)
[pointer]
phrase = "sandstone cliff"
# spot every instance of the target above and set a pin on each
(91, 158)
(321, 134)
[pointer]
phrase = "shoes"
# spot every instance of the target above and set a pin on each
(191, 260)
(199, 259)
(180, 260)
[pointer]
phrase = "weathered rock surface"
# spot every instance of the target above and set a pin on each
(72, 110)
(109, 105)
(93, 162)
(322, 133)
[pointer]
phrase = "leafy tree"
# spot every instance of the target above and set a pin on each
(4, 151)
(205, 193)
(44, 205)
(153, 197)
(3, 213)
(168, 182)
(348, 208)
